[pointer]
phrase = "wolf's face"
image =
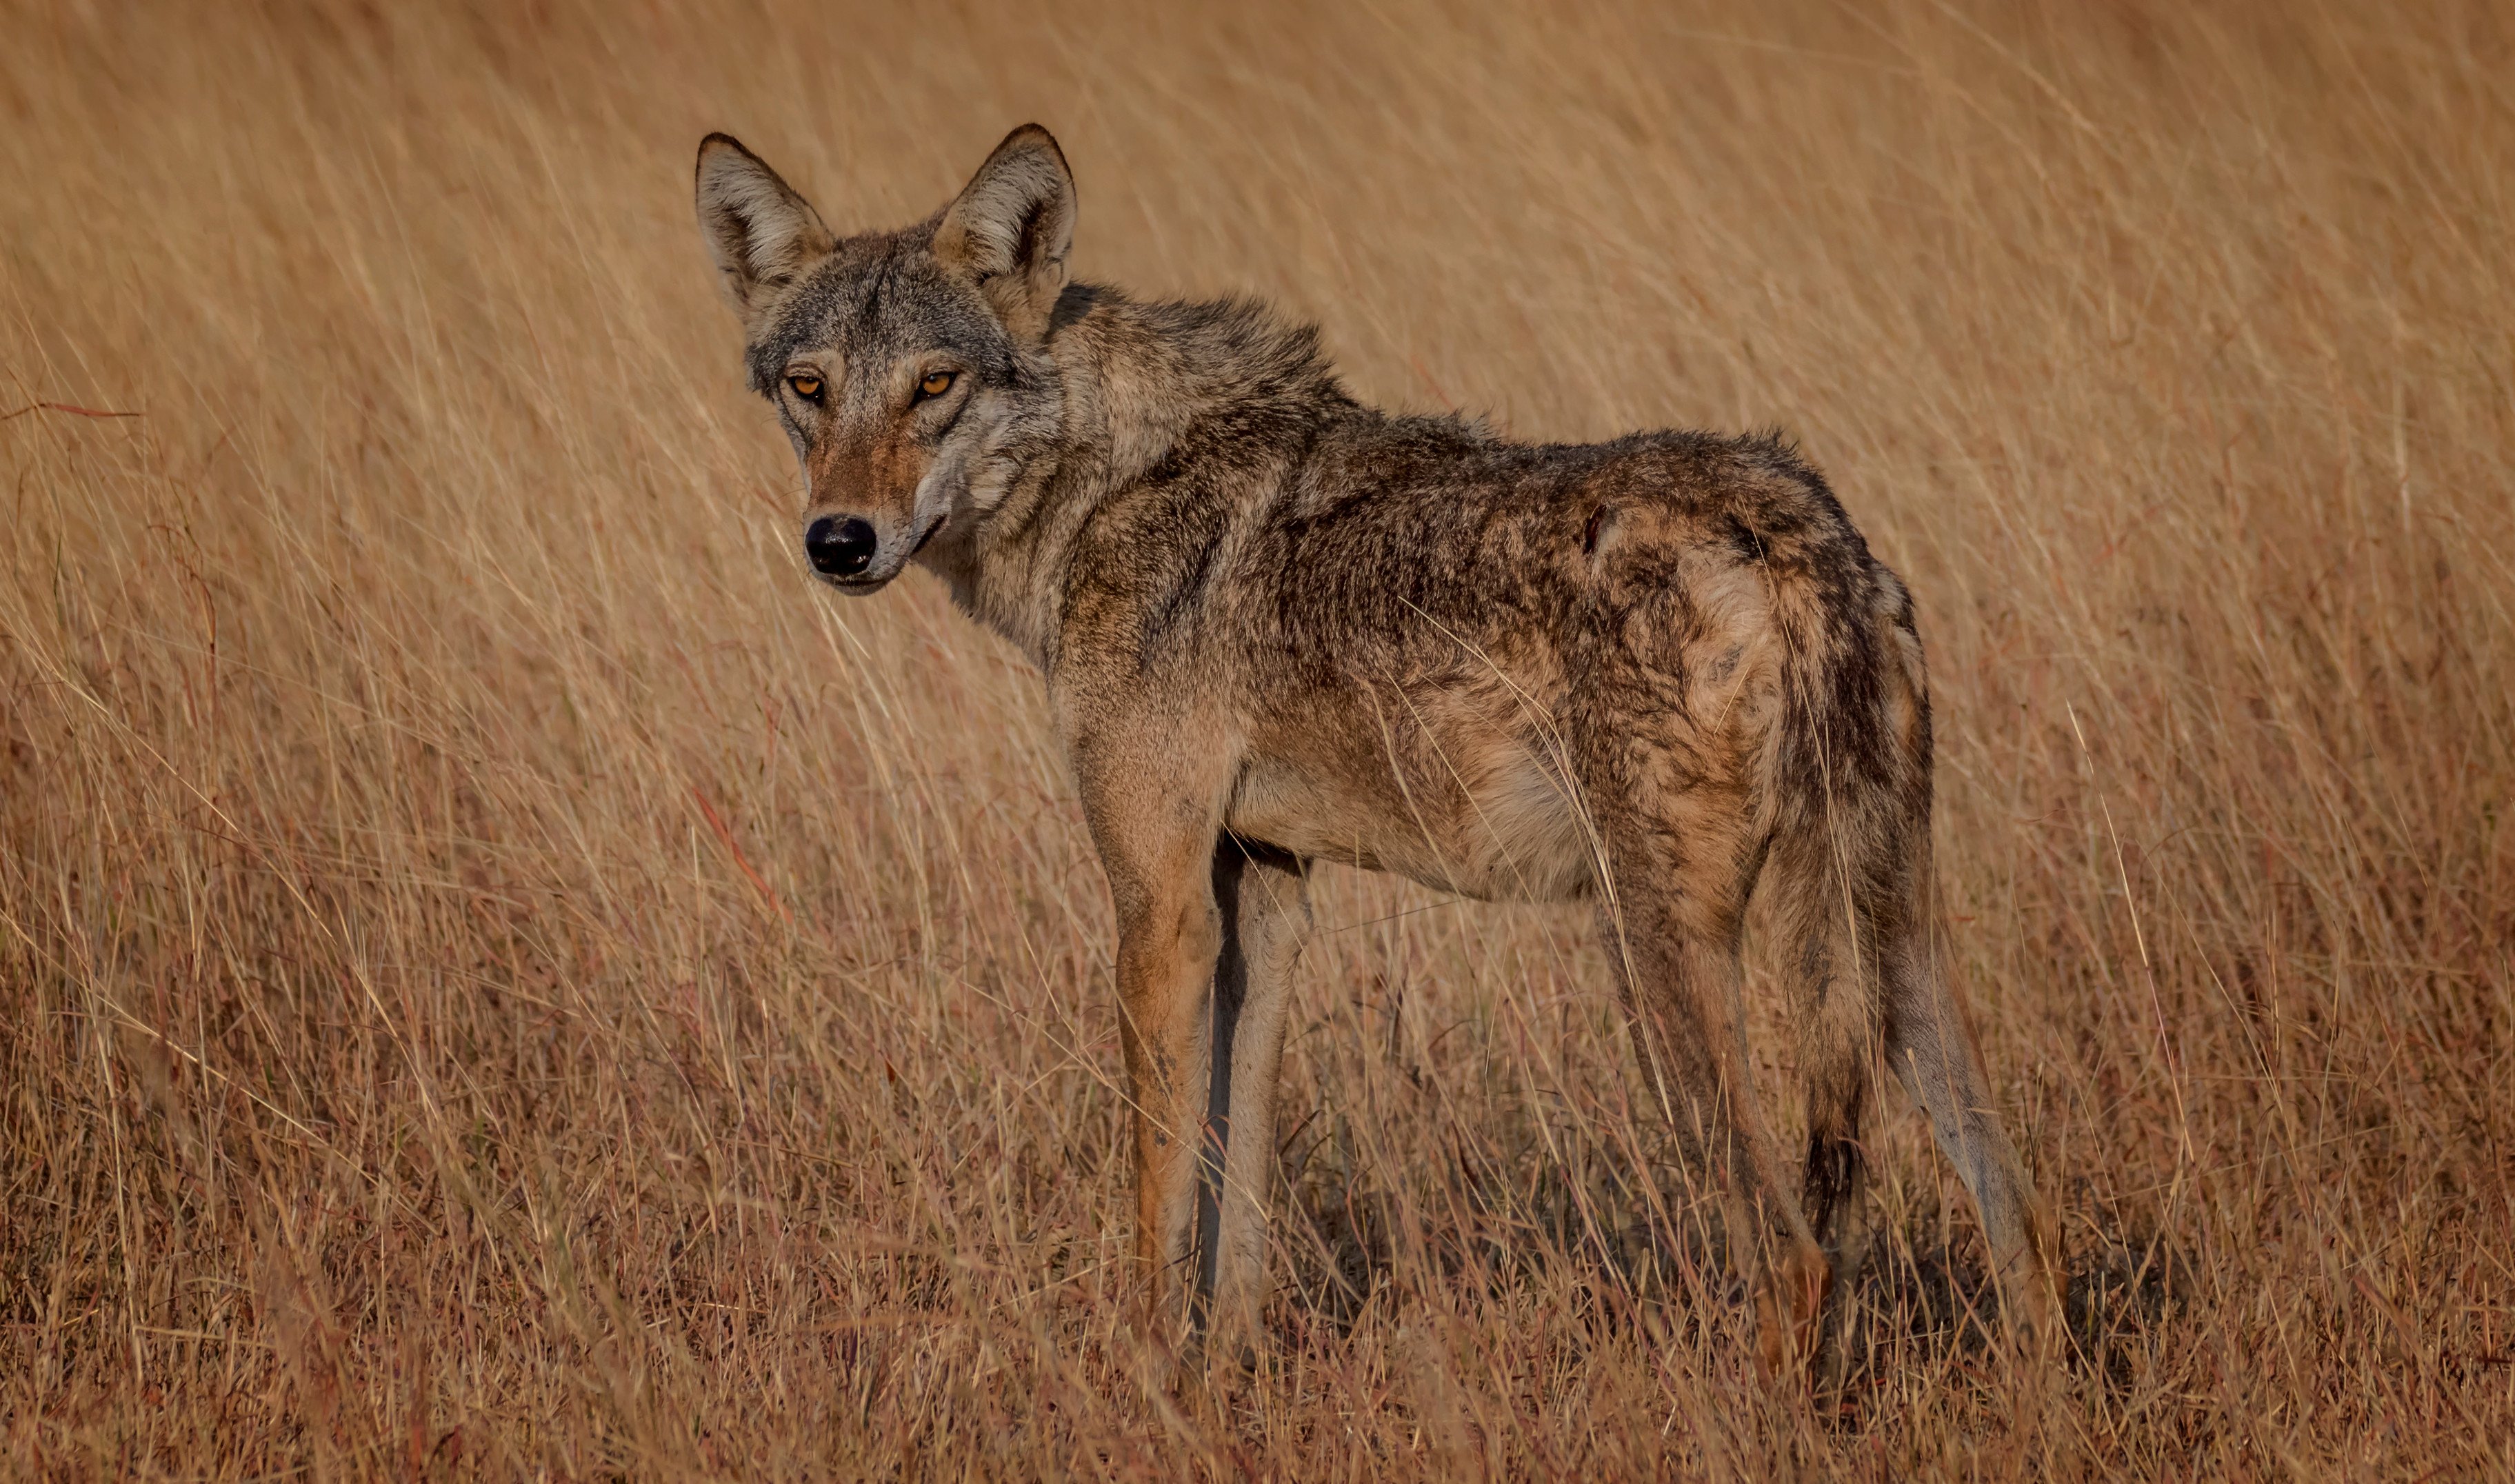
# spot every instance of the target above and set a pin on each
(907, 367)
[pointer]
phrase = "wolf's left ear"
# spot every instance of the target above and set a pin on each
(1009, 229)
(760, 230)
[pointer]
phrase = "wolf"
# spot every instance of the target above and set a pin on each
(1280, 627)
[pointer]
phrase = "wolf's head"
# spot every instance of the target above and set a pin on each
(909, 367)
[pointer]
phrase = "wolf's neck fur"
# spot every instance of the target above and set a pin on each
(1137, 379)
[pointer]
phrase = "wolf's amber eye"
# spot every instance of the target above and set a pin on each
(809, 388)
(937, 383)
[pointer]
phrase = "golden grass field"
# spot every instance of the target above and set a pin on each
(502, 976)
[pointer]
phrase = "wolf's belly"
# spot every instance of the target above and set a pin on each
(1496, 824)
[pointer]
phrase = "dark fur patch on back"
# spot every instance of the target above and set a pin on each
(1598, 519)
(1750, 547)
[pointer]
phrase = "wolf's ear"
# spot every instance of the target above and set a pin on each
(1009, 229)
(760, 231)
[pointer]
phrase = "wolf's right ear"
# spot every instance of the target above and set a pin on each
(761, 232)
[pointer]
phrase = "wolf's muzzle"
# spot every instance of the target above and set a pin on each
(840, 548)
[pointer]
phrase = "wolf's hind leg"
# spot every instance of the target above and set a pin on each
(1263, 894)
(1674, 940)
(1830, 967)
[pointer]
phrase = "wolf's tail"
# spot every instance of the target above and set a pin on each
(1849, 867)
(1846, 785)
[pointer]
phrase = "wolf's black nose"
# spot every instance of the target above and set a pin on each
(840, 548)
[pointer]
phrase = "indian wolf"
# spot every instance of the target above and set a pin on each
(1280, 627)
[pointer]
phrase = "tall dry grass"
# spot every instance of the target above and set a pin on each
(501, 976)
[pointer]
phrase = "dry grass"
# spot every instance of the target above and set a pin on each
(503, 977)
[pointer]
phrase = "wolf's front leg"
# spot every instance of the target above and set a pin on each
(1265, 897)
(1155, 815)
(1167, 946)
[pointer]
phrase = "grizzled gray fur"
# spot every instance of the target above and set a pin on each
(1278, 627)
